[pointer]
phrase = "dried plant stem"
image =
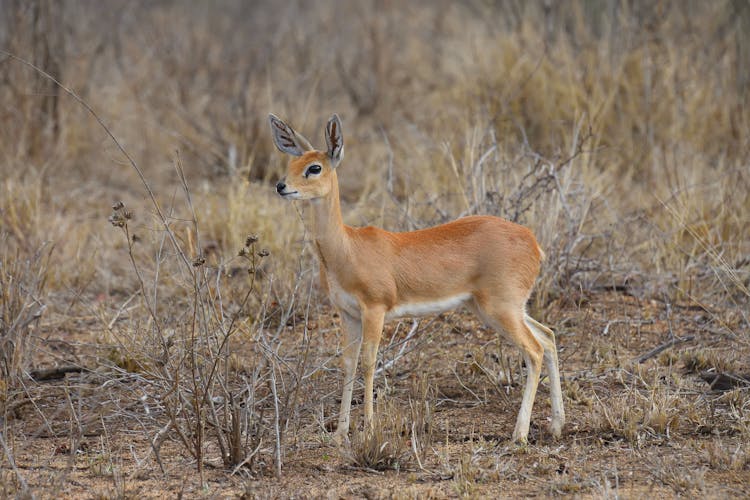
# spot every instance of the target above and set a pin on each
(404, 345)
(276, 426)
(12, 462)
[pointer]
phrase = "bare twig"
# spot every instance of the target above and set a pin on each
(12, 462)
(276, 428)
(404, 344)
(121, 309)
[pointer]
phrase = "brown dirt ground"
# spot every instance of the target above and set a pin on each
(599, 338)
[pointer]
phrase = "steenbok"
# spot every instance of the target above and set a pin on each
(485, 263)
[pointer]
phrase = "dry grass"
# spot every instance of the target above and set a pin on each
(384, 446)
(618, 131)
(400, 439)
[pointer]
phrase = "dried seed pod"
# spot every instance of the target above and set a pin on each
(116, 220)
(251, 239)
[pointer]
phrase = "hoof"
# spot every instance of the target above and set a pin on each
(556, 430)
(340, 438)
(520, 441)
(520, 446)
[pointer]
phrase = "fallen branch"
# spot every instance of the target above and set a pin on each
(725, 381)
(362, 469)
(55, 373)
(655, 351)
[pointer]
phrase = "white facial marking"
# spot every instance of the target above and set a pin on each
(294, 195)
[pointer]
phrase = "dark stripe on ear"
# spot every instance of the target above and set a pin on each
(334, 142)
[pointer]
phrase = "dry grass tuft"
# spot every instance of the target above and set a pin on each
(720, 457)
(639, 414)
(384, 446)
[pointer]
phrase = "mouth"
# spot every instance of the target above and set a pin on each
(288, 194)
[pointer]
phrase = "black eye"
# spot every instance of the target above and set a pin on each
(312, 170)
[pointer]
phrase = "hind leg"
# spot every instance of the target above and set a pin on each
(510, 321)
(547, 338)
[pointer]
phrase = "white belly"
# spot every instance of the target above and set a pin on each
(349, 304)
(425, 308)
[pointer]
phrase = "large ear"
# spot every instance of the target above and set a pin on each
(286, 139)
(335, 140)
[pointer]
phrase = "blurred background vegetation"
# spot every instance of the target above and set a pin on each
(637, 108)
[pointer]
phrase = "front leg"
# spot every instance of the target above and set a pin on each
(372, 330)
(351, 341)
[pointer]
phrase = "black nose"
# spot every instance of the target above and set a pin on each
(280, 186)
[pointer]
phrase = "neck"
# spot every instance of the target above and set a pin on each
(328, 225)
